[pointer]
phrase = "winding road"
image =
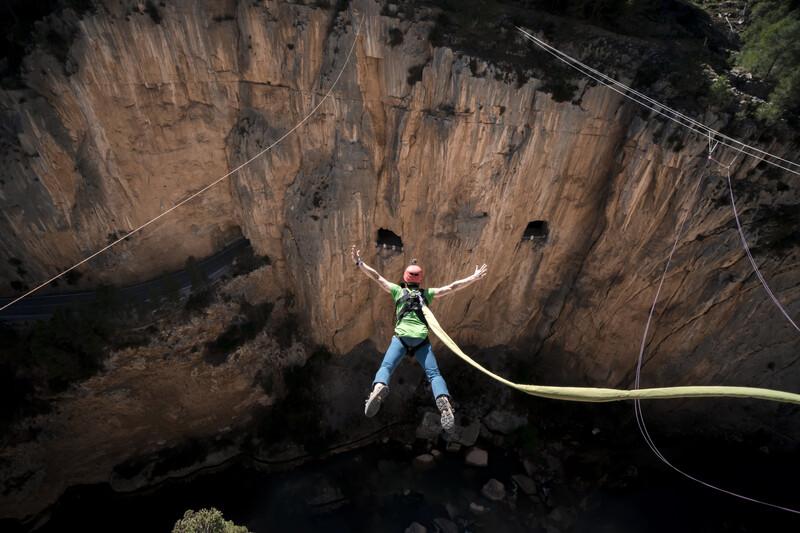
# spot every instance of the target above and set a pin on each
(41, 307)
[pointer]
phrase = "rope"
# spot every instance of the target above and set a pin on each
(663, 110)
(204, 189)
(715, 138)
(637, 407)
(591, 394)
(750, 255)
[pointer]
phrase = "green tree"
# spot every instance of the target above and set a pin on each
(771, 50)
(721, 94)
(206, 521)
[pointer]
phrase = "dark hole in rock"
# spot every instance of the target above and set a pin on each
(389, 239)
(536, 230)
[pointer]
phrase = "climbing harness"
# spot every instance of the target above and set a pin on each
(413, 301)
(411, 351)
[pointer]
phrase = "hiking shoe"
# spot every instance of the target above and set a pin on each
(448, 418)
(373, 403)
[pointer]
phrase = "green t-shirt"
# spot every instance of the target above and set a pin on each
(411, 325)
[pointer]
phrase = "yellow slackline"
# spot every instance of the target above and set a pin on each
(592, 394)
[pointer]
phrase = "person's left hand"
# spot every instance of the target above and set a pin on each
(355, 254)
(480, 271)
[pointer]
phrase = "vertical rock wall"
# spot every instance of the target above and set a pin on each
(414, 139)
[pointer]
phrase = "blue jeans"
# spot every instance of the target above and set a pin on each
(424, 356)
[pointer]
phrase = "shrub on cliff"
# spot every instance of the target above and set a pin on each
(720, 93)
(206, 521)
(771, 50)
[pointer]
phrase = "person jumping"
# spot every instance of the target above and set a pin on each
(411, 333)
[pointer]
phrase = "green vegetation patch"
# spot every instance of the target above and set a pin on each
(771, 51)
(206, 521)
(670, 40)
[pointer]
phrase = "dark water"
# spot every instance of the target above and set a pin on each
(377, 489)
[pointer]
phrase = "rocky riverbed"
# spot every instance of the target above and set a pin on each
(530, 466)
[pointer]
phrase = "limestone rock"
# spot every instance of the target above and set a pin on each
(445, 525)
(494, 490)
(430, 427)
(530, 467)
(464, 435)
(477, 457)
(504, 422)
(525, 484)
(452, 510)
(423, 462)
(416, 527)
(453, 447)
(478, 509)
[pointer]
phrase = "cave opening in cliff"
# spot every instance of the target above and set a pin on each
(537, 231)
(389, 240)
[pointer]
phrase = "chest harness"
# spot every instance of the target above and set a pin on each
(412, 302)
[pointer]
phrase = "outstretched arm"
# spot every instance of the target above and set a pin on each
(480, 272)
(368, 270)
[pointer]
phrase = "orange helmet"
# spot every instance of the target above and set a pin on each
(413, 273)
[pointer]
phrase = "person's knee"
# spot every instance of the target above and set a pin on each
(432, 373)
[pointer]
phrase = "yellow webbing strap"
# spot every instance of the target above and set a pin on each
(591, 394)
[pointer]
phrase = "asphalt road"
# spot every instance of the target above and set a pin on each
(40, 307)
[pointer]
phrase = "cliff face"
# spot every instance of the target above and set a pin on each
(151, 106)
(419, 140)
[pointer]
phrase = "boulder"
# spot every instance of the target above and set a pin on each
(530, 466)
(465, 435)
(477, 457)
(424, 462)
(504, 422)
(430, 427)
(445, 525)
(478, 509)
(416, 527)
(525, 484)
(494, 490)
